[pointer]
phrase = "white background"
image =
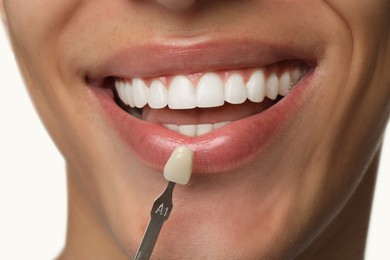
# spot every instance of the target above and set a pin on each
(32, 179)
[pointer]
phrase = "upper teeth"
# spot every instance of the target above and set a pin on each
(211, 90)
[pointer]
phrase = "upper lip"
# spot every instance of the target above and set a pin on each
(170, 56)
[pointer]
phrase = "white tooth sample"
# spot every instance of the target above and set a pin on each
(235, 91)
(188, 130)
(181, 94)
(158, 95)
(256, 86)
(172, 127)
(284, 84)
(129, 94)
(178, 168)
(295, 76)
(140, 93)
(121, 90)
(272, 86)
(209, 92)
(204, 129)
(220, 124)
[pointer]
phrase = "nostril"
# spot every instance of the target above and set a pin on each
(177, 5)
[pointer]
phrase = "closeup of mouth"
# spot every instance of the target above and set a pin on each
(227, 102)
(199, 103)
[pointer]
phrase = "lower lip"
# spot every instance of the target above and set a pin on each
(219, 151)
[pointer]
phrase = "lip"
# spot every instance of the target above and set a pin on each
(171, 56)
(219, 151)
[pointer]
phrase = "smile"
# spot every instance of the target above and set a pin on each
(228, 108)
(198, 92)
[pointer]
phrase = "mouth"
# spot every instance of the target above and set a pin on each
(227, 109)
(197, 104)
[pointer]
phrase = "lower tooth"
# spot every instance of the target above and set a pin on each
(204, 129)
(172, 127)
(188, 130)
(221, 124)
(195, 130)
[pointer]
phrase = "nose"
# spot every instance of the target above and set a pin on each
(177, 5)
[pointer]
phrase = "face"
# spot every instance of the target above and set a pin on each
(283, 102)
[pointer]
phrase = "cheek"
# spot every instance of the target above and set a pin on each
(35, 25)
(368, 17)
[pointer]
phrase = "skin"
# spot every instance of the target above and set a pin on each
(314, 205)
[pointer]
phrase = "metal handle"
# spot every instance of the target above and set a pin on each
(159, 213)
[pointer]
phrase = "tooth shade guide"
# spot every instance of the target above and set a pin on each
(178, 168)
